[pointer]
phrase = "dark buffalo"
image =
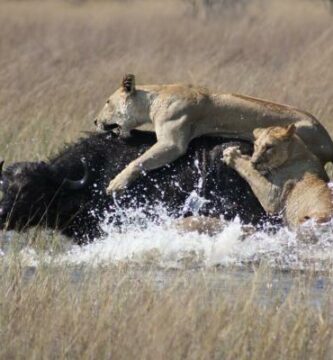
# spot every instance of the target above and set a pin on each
(68, 191)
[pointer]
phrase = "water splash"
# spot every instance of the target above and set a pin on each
(194, 203)
(141, 241)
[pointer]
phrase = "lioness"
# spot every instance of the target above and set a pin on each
(179, 113)
(208, 225)
(285, 176)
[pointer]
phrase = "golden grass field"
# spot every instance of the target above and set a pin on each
(58, 63)
(120, 314)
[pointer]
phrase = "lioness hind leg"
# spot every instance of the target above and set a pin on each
(317, 139)
(209, 226)
(200, 224)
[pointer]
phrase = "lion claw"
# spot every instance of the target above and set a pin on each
(116, 186)
(230, 154)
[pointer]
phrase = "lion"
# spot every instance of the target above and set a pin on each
(208, 226)
(178, 113)
(286, 177)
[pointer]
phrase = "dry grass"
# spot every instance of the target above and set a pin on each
(120, 314)
(58, 62)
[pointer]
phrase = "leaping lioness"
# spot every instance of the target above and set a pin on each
(179, 113)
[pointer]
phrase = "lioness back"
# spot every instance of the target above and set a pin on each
(311, 198)
(179, 113)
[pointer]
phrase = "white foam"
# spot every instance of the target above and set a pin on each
(142, 241)
(163, 246)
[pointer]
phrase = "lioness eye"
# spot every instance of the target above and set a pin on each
(107, 101)
(269, 147)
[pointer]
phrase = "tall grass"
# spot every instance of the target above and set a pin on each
(58, 63)
(60, 60)
(120, 314)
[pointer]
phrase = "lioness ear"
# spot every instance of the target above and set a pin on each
(128, 83)
(290, 130)
(257, 132)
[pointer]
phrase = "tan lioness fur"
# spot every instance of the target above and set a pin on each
(285, 176)
(179, 113)
(208, 226)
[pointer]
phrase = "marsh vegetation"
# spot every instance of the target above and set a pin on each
(58, 63)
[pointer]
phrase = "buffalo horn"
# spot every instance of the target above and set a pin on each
(77, 184)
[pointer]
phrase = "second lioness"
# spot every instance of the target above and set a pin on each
(179, 113)
(285, 176)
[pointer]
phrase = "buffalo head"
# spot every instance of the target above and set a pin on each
(63, 194)
(34, 192)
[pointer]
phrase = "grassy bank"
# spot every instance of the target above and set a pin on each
(117, 313)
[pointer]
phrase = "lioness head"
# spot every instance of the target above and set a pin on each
(122, 109)
(271, 147)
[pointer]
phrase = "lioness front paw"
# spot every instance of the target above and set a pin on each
(119, 183)
(231, 154)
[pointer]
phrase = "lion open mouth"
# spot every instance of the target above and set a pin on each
(114, 128)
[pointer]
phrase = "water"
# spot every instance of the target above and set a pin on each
(229, 258)
(164, 246)
(161, 245)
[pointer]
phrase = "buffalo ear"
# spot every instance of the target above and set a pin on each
(257, 132)
(128, 83)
